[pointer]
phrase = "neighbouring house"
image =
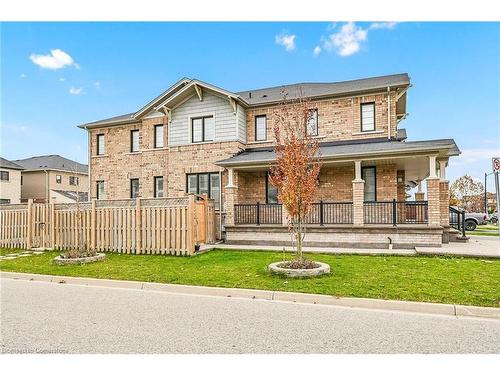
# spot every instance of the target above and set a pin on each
(10, 182)
(199, 138)
(53, 179)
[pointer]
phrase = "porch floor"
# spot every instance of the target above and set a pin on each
(476, 247)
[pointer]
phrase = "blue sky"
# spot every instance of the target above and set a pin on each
(106, 69)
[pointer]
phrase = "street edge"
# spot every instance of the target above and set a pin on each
(317, 299)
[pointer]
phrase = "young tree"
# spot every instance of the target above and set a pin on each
(466, 194)
(297, 168)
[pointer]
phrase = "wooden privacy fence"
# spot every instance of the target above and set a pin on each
(132, 226)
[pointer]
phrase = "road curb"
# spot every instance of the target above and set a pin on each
(279, 296)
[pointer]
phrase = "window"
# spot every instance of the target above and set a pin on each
(202, 129)
(312, 122)
(260, 128)
(204, 183)
(58, 178)
(100, 144)
(158, 188)
(367, 117)
(134, 140)
(158, 136)
(4, 201)
(369, 175)
(4, 176)
(73, 180)
(100, 190)
(271, 191)
(134, 188)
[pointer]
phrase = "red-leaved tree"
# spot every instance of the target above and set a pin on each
(297, 168)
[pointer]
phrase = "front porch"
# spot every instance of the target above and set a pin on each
(360, 203)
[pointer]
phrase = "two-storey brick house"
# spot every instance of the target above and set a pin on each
(198, 138)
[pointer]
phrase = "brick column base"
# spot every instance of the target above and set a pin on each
(358, 195)
(434, 208)
(444, 202)
(420, 196)
(229, 202)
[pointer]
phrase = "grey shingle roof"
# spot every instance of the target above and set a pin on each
(342, 149)
(80, 196)
(4, 163)
(274, 94)
(56, 162)
(270, 95)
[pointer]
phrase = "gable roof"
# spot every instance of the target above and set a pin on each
(52, 162)
(7, 164)
(77, 196)
(262, 96)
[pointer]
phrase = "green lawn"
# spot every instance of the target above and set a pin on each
(9, 251)
(431, 279)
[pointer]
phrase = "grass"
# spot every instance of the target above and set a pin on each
(9, 251)
(429, 279)
(482, 233)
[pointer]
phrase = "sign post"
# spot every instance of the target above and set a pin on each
(496, 170)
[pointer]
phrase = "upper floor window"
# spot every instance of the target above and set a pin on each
(73, 180)
(100, 190)
(312, 122)
(58, 178)
(367, 117)
(271, 191)
(134, 140)
(4, 201)
(4, 176)
(100, 144)
(134, 188)
(158, 188)
(202, 129)
(158, 143)
(261, 128)
(369, 175)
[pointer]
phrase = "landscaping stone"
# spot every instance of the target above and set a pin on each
(310, 272)
(62, 261)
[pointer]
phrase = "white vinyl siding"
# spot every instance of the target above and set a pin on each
(367, 117)
(227, 127)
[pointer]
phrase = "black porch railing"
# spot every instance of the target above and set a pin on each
(394, 212)
(269, 213)
(457, 219)
(330, 213)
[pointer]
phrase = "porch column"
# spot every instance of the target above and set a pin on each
(419, 195)
(230, 199)
(433, 181)
(358, 194)
(444, 195)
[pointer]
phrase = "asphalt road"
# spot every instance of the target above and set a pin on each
(40, 317)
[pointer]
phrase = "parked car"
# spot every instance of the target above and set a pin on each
(494, 218)
(473, 219)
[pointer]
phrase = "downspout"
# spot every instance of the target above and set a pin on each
(89, 153)
(47, 198)
(220, 205)
(389, 112)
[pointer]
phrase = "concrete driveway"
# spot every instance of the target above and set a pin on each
(40, 317)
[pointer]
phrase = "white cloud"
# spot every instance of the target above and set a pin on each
(97, 84)
(317, 50)
(347, 41)
(76, 91)
(23, 75)
(62, 79)
(383, 25)
(287, 41)
(56, 59)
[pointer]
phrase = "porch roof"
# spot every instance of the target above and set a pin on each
(350, 150)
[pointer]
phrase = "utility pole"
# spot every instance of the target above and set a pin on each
(495, 162)
(485, 194)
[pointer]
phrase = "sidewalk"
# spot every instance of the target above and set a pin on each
(477, 246)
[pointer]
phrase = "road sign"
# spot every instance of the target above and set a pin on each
(495, 162)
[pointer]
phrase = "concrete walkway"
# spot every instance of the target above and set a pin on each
(21, 254)
(477, 246)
